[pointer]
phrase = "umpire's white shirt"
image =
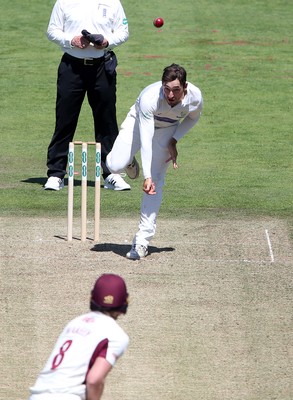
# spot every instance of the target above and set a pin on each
(70, 17)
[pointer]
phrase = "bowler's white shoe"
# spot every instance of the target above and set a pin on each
(132, 169)
(137, 252)
(116, 182)
(54, 183)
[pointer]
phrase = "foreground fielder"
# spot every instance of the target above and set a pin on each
(163, 113)
(88, 347)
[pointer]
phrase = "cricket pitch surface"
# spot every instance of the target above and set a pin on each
(210, 314)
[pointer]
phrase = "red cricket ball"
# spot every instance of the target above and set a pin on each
(158, 22)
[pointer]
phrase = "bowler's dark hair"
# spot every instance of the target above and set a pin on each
(173, 72)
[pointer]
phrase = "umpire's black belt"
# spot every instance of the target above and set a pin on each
(84, 61)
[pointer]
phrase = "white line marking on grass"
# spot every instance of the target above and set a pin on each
(270, 246)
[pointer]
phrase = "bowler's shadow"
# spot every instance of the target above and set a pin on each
(122, 249)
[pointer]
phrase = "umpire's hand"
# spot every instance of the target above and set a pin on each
(80, 41)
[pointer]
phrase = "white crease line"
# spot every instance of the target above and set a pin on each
(270, 246)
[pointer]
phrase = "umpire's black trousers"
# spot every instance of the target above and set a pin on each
(75, 80)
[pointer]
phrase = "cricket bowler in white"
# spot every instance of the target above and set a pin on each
(88, 347)
(163, 113)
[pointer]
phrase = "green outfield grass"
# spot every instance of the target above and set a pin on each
(238, 157)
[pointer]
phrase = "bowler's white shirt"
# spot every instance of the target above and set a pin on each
(154, 113)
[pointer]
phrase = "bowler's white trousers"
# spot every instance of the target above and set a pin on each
(126, 145)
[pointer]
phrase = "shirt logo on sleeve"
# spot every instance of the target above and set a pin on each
(182, 115)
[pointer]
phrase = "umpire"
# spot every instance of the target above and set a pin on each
(86, 32)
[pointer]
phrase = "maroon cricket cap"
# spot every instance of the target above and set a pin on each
(110, 292)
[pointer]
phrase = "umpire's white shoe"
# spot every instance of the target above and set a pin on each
(137, 252)
(116, 182)
(132, 169)
(54, 183)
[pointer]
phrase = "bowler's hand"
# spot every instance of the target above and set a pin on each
(80, 41)
(149, 186)
(173, 152)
